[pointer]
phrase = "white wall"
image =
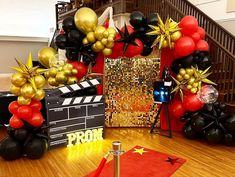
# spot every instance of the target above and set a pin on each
(27, 17)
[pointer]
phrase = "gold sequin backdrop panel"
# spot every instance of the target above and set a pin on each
(129, 91)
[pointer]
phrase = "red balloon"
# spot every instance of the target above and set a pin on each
(81, 68)
(195, 36)
(202, 45)
(106, 23)
(192, 103)
(99, 89)
(130, 29)
(99, 66)
(184, 46)
(24, 112)
(201, 32)
(188, 25)
(36, 105)
(176, 109)
(133, 50)
(36, 120)
(15, 122)
(13, 107)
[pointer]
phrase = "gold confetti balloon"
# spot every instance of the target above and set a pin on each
(45, 54)
(15, 90)
(18, 79)
(85, 20)
(23, 101)
(27, 91)
(39, 81)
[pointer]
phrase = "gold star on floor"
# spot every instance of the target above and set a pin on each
(139, 151)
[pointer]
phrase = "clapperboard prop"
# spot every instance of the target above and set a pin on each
(74, 120)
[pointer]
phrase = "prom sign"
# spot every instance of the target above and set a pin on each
(74, 120)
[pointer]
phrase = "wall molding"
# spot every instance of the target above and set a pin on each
(203, 3)
(23, 39)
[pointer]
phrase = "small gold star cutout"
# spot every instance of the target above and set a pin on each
(140, 151)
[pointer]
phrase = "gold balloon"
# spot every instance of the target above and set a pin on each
(60, 77)
(164, 44)
(107, 51)
(39, 81)
(191, 80)
(99, 32)
(60, 68)
(40, 94)
(182, 71)
(109, 44)
(176, 35)
(94, 48)
(179, 77)
(91, 37)
(67, 72)
(193, 90)
(195, 84)
(18, 79)
(46, 74)
(27, 91)
(53, 72)
(85, 20)
(104, 41)
(52, 81)
(99, 45)
(105, 33)
(74, 71)
(85, 41)
(68, 66)
(45, 54)
(189, 87)
(172, 44)
(189, 71)
(72, 80)
(111, 30)
(110, 39)
(186, 76)
(23, 101)
(15, 90)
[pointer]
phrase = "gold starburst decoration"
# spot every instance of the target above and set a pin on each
(201, 76)
(180, 86)
(164, 32)
(28, 71)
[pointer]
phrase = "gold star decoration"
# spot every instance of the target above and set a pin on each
(180, 86)
(28, 71)
(165, 32)
(201, 76)
(139, 151)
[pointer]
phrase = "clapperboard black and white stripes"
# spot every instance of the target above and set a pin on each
(75, 120)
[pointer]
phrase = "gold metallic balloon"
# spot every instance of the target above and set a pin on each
(39, 81)
(67, 72)
(72, 80)
(23, 101)
(46, 74)
(40, 94)
(107, 51)
(74, 71)
(195, 84)
(189, 71)
(99, 32)
(94, 48)
(104, 41)
(105, 33)
(52, 81)
(109, 44)
(179, 77)
(99, 45)
(111, 30)
(45, 54)
(191, 80)
(164, 44)
(91, 37)
(176, 35)
(18, 79)
(186, 76)
(15, 90)
(85, 20)
(85, 41)
(60, 77)
(27, 91)
(110, 39)
(68, 66)
(182, 71)
(53, 71)
(189, 87)
(193, 90)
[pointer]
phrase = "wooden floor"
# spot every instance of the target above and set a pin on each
(202, 159)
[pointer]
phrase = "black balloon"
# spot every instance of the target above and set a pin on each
(10, 131)
(61, 41)
(137, 19)
(86, 60)
(198, 123)
(35, 148)
(202, 59)
(189, 132)
(187, 61)
(176, 65)
(71, 54)
(214, 135)
(230, 124)
(228, 140)
(10, 149)
(147, 50)
(148, 39)
(68, 24)
(152, 19)
(75, 38)
(21, 134)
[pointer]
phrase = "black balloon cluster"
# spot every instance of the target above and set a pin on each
(211, 123)
(201, 59)
(71, 41)
(140, 24)
(30, 142)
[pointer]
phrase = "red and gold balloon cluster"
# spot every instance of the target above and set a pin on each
(59, 75)
(102, 39)
(27, 82)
